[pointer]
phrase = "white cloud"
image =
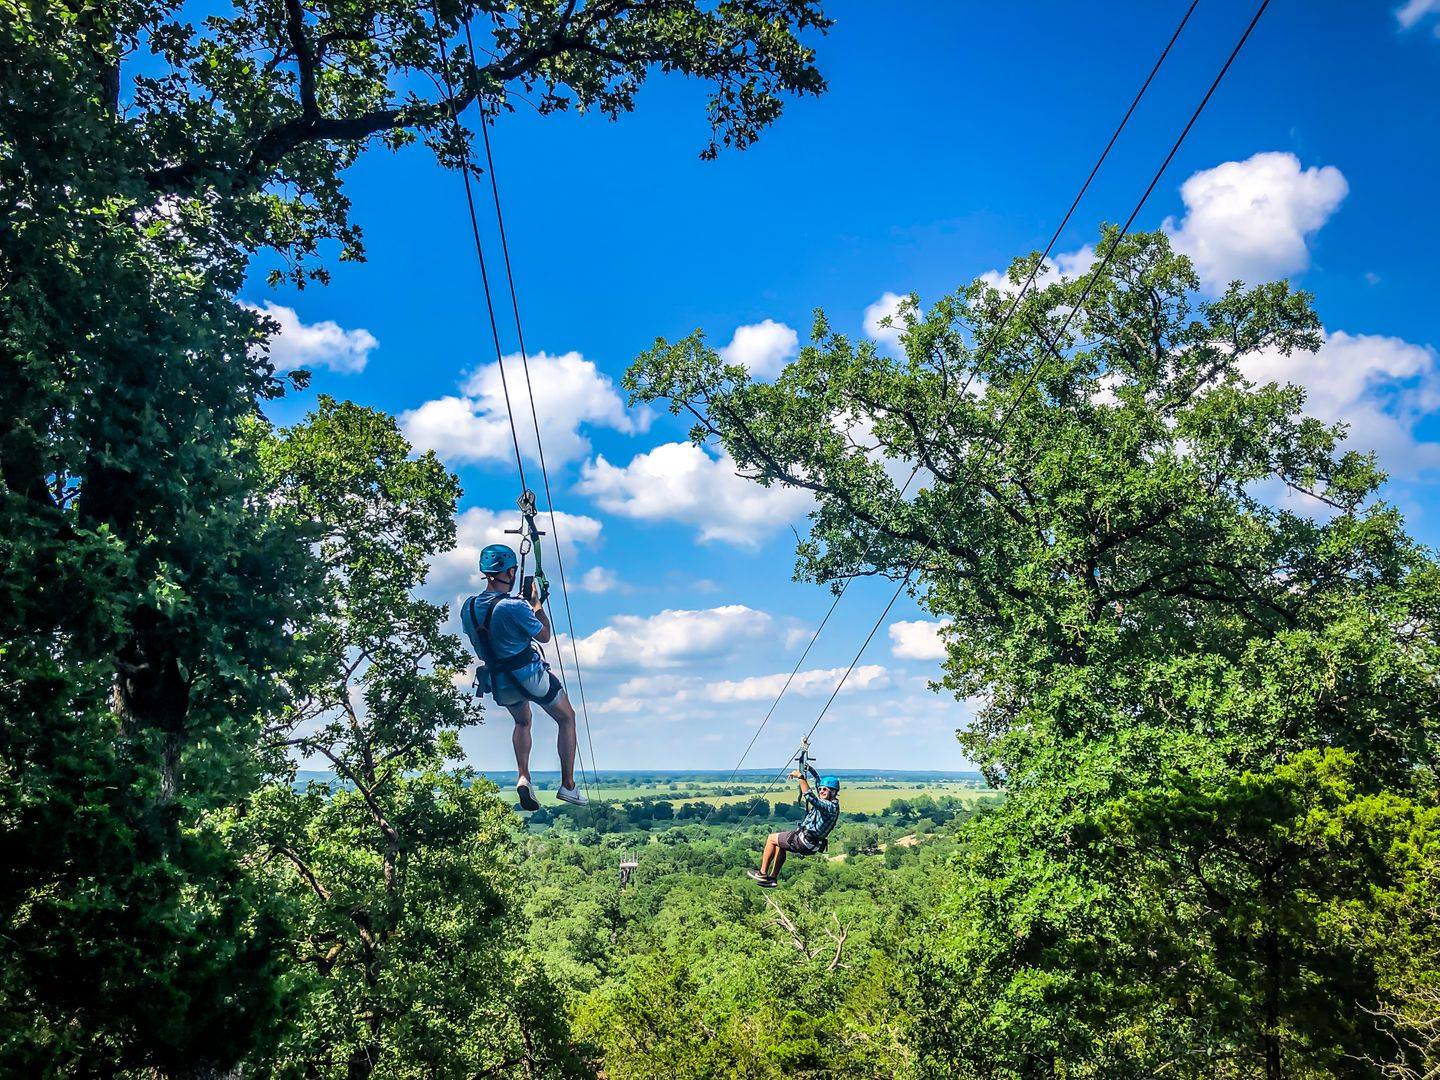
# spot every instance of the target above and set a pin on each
(816, 683)
(1072, 264)
(797, 635)
(458, 570)
(1068, 264)
(599, 579)
(918, 640)
(859, 431)
(672, 638)
(1105, 389)
(762, 347)
(682, 482)
(894, 307)
(1252, 220)
(314, 345)
(919, 714)
(625, 706)
(655, 695)
(1380, 386)
(1412, 11)
(570, 391)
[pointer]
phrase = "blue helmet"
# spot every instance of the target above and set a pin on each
(496, 559)
(830, 782)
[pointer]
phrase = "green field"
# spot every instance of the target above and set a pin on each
(859, 799)
(866, 796)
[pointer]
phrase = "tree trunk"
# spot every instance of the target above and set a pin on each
(362, 1060)
(1271, 1037)
(151, 694)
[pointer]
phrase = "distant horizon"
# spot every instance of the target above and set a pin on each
(742, 775)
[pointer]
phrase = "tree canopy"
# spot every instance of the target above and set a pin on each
(1195, 630)
(155, 611)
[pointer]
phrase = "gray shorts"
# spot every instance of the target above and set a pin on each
(539, 686)
(793, 841)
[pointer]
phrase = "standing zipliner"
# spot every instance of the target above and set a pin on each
(822, 811)
(504, 631)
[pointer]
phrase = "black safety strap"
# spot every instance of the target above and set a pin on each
(481, 639)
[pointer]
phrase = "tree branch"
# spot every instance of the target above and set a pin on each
(270, 147)
(304, 58)
(307, 874)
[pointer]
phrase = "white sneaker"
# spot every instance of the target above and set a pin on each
(526, 791)
(572, 795)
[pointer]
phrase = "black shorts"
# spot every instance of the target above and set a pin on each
(793, 841)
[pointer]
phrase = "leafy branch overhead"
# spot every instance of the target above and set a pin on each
(1089, 494)
(269, 104)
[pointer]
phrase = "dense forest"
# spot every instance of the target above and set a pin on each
(1211, 710)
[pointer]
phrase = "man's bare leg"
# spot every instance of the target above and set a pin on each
(773, 857)
(520, 738)
(563, 713)
(768, 855)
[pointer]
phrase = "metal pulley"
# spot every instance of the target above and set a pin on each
(530, 533)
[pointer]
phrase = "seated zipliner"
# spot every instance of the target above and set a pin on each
(504, 631)
(822, 811)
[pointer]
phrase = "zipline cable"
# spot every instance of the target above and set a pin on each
(1095, 169)
(1094, 279)
(791, 677)
(780, 777)
(1130, 221)
(788, 680)
(494, 325)
(480, 257)
(1000, 329)
(535, 418)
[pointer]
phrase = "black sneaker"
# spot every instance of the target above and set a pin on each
(527, 794)
(760, 879)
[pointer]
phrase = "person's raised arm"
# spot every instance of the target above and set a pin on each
(796, 774)
(538, 606)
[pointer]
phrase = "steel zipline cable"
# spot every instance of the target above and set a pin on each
(500, 359)
(986, 347)
(1033, 375)
(535, 418)
(1079, 195)
(839, 595)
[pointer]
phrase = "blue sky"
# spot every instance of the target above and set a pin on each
(951, 140)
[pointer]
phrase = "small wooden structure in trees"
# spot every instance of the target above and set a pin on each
(628, 865)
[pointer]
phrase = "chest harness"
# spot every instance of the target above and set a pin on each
(492, 667)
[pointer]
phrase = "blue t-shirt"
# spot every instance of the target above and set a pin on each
(513, 627)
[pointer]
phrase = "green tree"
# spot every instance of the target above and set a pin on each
(1286, 884)
(654, 1024)
(149, 598)
(399, 874)
(1095, 511)
(146, 592)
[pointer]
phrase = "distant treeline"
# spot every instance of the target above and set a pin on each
(651, 813)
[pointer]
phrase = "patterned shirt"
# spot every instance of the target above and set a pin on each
(820, 814)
